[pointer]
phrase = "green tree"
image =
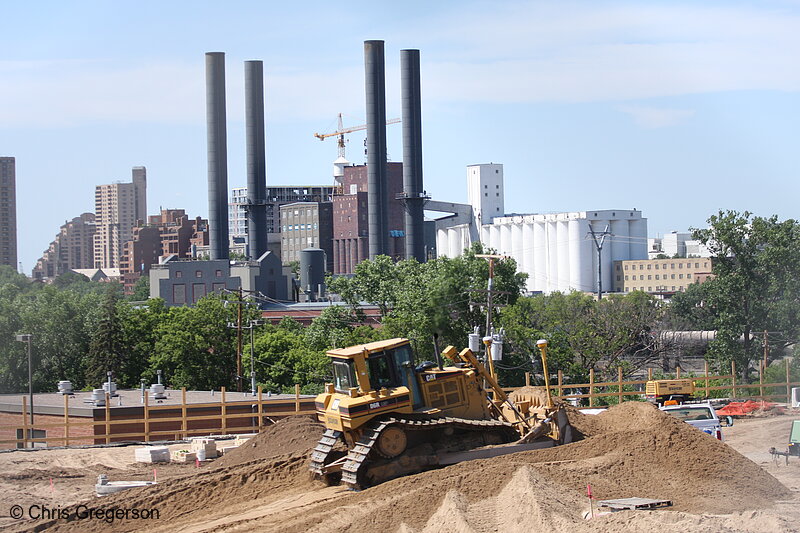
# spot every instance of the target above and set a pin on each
(584, 334)
(106, 352)
(195, 347)
(756, 284)
(141, 290)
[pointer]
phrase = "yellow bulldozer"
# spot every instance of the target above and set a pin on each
(386, 417)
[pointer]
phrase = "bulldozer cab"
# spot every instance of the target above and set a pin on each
(375, 366)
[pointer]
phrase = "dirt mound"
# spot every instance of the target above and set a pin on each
(289, 436)
(630, 450)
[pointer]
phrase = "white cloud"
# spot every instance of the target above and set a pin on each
(472, 53)
(655, 117)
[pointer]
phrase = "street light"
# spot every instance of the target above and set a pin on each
(26, 337)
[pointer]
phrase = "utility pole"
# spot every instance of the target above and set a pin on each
(490, 291)
(26, 338)
(599, 246)
(238, 326)
(239, 342)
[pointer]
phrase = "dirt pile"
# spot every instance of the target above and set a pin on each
(289, 436)
(631, 450)
(276, 466)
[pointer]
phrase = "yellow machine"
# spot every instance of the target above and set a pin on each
(669, 391)
(386, 418)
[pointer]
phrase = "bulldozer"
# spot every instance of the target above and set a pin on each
(384, 417)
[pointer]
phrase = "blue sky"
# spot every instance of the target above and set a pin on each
(675, 108)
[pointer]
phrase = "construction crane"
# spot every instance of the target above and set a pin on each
(341, 130)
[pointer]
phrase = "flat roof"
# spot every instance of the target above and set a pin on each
(80, 405)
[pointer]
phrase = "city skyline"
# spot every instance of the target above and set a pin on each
(676, 109)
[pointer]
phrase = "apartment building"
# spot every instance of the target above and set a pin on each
(73, 248)
(118, 208)
(8, 212)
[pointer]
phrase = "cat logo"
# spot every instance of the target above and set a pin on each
(430, 377)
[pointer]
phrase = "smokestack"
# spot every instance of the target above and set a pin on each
(256, 164)
(377, 204)
(217, 155)
(412, 154)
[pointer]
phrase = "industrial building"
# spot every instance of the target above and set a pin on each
(676, 244)
(184, 282)
(556, 250)
(117, 208)
(351, 224)
(73, 248)
(307, 225)
(8, 212)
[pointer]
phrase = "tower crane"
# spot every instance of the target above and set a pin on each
(341, 130)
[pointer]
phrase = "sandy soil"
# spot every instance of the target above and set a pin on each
(630, 451)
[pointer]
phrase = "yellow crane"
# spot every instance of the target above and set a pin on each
(341, 130)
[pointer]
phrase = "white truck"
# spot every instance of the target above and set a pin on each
(700, 415)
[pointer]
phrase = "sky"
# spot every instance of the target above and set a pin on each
(678, 109)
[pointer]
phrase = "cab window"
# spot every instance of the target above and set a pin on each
(379, 374)
(344, 376)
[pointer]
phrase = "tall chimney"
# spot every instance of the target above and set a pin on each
(217, 155)
(377, 204)
(256, 164)
(412, 154)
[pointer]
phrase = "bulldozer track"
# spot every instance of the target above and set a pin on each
(323, 449)
(357, 456)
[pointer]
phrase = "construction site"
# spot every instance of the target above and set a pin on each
(631, 450)
(439, 447)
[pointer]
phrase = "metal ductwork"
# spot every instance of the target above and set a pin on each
(412, 154)
(217, 155)
(256, 162)
(377, 186)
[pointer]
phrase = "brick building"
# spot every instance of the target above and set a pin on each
(350, 218)
(660, 276)
(170, 233)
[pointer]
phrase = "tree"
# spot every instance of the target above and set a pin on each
(756, 284)
(106, 347)
(194, 345)
(141, 290)
(583, 333)
(441, 297)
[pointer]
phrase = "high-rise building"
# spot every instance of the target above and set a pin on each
(8, 212)
(73, 248)
(118, 208)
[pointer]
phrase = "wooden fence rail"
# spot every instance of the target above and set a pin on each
(260, 408)
(263, 408)
(616, 389)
